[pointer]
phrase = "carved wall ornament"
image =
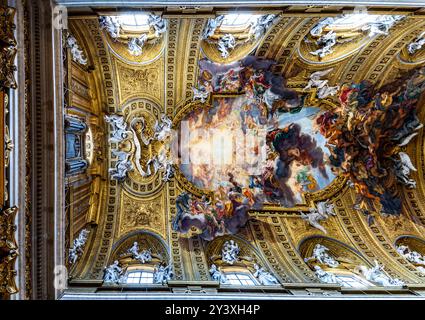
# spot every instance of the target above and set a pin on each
(8, 251)
(136, 214)
(76, 51)
(8, 48)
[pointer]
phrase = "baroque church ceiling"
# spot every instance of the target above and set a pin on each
(278, 130)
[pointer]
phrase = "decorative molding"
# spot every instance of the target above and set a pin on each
(8, 251)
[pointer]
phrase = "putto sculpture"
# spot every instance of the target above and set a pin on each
(119, 127)
(261, 25)
(211, 26)
(200, 94)
(402, 168)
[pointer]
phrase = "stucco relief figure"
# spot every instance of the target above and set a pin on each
(378, 276)
(402, 169)
(162, 274)
(264, 277)
(119, 127)
(323, 88)
(111, 24)
(78, 245)
(324, 276)
(382, 25)
(211, 26)
(417, 44)
(161, 162)
(412, 256)
(323, 212)
(143, 257)
(260, 27)
(217, 275)
(135, 45)
(325, 43)
(158, 24)
(230, 252)
(317, 30)
(162, 128)
(122, 167)
(225, 44)
(321, 255)
(113, 274)
(200, 94)
(76, 52)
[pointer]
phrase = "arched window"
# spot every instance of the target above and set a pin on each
(350, 280)
(240, 278)
(236, 21)
(134, 22)
(140, 277)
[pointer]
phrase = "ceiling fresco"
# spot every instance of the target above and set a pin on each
(272, 130)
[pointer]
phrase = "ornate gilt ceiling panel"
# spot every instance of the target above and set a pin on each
(338, 99)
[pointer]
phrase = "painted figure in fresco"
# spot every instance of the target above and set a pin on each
(364, 133)
(293, 145)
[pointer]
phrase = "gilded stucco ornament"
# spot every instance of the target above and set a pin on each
(78, 245)
(417, 44)
(77, 52)
(264, 277)
(8, 48)
(323, 211)
(8, 251)
(378, 276)
(222, 44)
